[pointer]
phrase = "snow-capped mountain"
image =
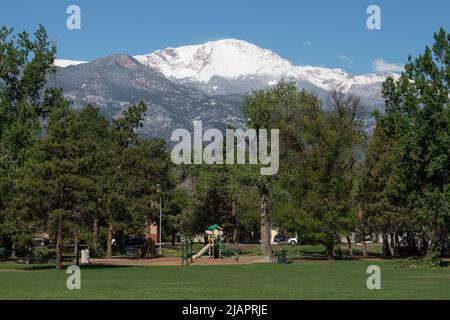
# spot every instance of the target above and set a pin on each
(239, 61)
(114, 82)
(204, 82)
(64, 63)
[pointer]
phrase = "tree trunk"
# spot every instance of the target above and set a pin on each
(109, 242)
(422, 245)
(364, 246)
(174, 238)
(392, 245)
(59, 246)
(438, 241)
(386, 251)
(411, 244)
(94, 237)
(148, 250)
(236, 238)
(397, 244)
(349, 244)
(330, 250)
(75, 252)
(122, 243)
(235, 225)
(266, 248)
(13, 250)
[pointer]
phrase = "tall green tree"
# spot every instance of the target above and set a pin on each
(381, 211)
(114, 179)
(138, 174)
(25, 64)
(56, 186)
(319, 149)
(262, 109)
(418, 113)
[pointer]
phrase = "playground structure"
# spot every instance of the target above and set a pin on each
(214, 245)
(186, 250)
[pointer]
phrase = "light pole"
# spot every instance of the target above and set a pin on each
(160, 218)
(160, 223)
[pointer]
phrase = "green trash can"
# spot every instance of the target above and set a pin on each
(3, 252)
(281, 257)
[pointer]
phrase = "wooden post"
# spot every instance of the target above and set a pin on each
(187, 251)
(182, 251)
(77, 253)
(191, 249)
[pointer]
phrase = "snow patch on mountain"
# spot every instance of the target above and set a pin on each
(63, 63)
(233, 59)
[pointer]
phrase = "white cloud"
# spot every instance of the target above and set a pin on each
(379, 65)
(308, 43)
(346, 59)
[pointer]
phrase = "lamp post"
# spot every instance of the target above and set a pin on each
(160, 224)
(160, 219)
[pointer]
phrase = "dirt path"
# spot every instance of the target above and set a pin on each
(176, 261)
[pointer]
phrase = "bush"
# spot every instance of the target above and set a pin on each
(226, 252)
(418, 263)
(40, 253)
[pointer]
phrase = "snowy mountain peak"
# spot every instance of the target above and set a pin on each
(234, 59)
(228, 58)
(63, 63)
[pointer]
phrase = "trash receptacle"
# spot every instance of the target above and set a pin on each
(281, 257)
(85, 256)
(3, 252)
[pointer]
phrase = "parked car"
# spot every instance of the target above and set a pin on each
(40, 241)
(133, 241)
(279, 237)
(293, 241)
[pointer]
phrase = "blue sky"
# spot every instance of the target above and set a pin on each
(320, 33)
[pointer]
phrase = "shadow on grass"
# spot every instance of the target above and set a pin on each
(48, 267)
(105, 267)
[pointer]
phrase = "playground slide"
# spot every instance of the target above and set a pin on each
(201, 252)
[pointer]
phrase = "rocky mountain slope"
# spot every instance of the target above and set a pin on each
(204, 82)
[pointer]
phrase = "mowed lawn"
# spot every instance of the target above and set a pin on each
(307, 280)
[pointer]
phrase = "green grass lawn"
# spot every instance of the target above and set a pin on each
(307, 280)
